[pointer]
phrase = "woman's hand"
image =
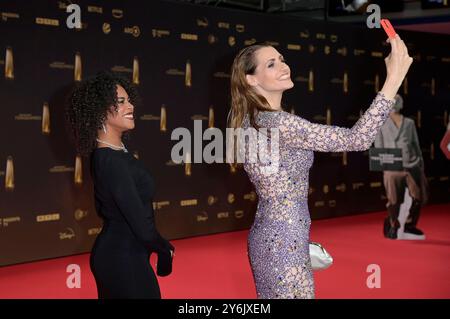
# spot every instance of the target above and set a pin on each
(397, 66)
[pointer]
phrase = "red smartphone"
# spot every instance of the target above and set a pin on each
(388, 28)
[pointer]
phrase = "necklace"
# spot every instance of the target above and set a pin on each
(113, 146)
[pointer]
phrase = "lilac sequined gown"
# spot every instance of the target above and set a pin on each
(278, 242)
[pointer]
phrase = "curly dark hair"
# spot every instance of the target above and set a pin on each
(88, 104)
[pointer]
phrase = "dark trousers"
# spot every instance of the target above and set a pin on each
(395, 183)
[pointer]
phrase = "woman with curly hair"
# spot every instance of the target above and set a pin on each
(100, 111)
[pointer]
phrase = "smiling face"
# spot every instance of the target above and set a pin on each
(122, 119)
(272, 74)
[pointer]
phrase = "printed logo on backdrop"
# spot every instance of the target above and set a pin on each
(9, 15)
(80, 214)
(95, 9)
(212, 200)
(106, 28)
(238, 214)
(202, 216)
(68, 234)
(6, 221)
(117, 13)
(135, 31)
(160, 205)
(202, 22)
(250, 196)
(159, 33)
(47, 21)
(94, 231)
(240, 28)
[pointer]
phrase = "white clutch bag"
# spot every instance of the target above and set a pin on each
(320, 258)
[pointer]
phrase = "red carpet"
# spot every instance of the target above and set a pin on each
(217, 266)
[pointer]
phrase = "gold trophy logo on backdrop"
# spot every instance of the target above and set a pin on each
(187, 163)
(311, 81)
(9, 64)
(188, 74)
(328, 116)
(344, 159)
(78, 67)
(211, 117)
(78, 175)
(345, 83)
(163, 119)
(45, 119)
(135, 71)
(9, 177)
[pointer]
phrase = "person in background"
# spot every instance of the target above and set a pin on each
(400, 132)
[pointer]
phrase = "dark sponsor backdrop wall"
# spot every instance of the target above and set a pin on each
(179, 56)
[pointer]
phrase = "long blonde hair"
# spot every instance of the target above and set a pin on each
(244, 99)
